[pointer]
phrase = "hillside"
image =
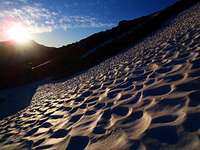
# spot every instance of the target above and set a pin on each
(145, 98)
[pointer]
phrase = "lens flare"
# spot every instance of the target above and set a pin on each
(18, 33)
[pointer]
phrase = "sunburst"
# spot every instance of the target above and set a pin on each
(18, 33)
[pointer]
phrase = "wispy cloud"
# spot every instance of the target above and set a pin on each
(36, 19)
(81, 22)
(39, 19)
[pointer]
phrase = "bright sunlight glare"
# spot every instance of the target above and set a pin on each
(18, 33)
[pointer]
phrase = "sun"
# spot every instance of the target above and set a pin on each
(18, 33)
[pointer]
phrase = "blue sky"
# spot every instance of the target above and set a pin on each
(60, 22)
